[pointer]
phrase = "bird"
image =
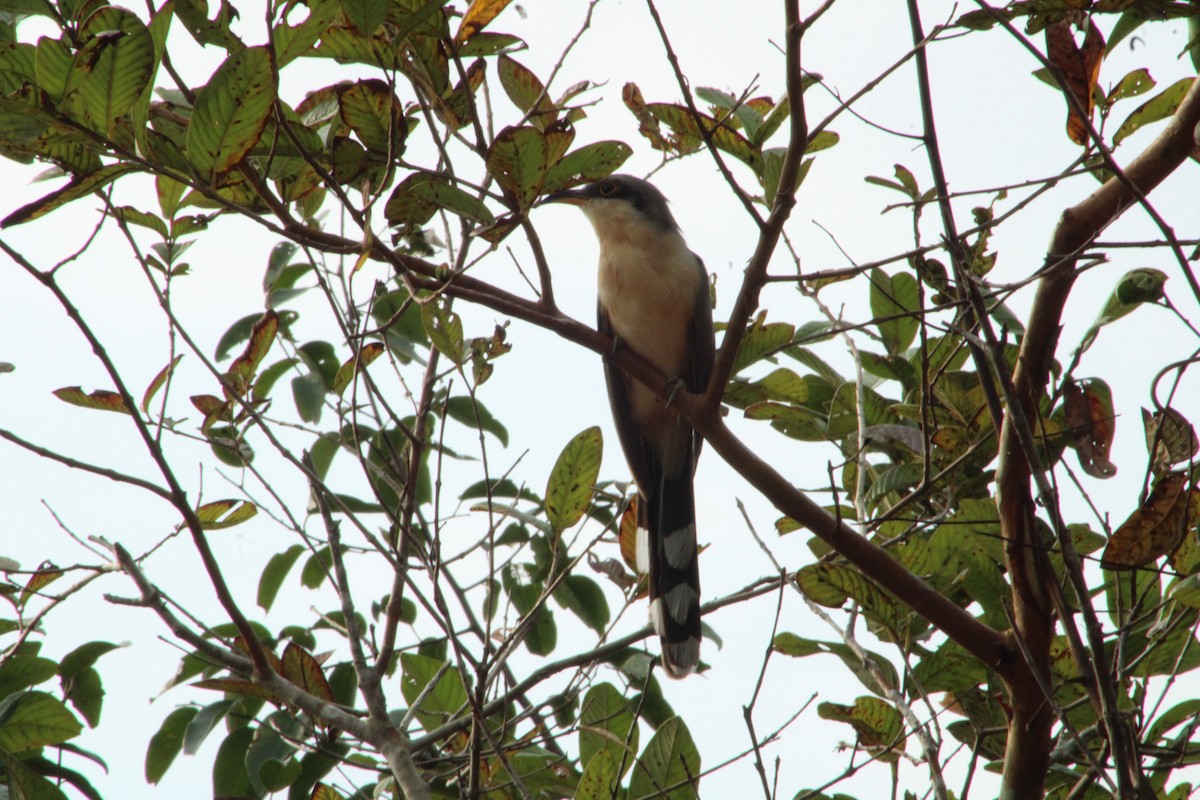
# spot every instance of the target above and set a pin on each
(653, 298)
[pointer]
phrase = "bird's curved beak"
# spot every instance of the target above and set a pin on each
(573, 197)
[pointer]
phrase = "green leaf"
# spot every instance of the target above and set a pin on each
(950, 669)
(895, 296)
(526, 92)
(194, 15)
(308, 392)
(1136, 287)
(831, 585)
(274, 573)
(669, 767)
(444, 328)
(271, 763)
(474, 414)
(797, 647)
(365, 15)
(569, 490)
(761, 340)
(225, 514)
(877, 724)
(588, 163)
(518, 160)
(374, 113)
(23, 671)
(203, 723)
(1161, 106)
(79, 186)
(1134, 83)
(584, 597)
(599, 780)
(231, 112)
(85, 656)
(31, 719)
(419, 196)
(22, 783)
(606, 721)
(230, 778)
(316, 569)
(448, 697)
(110, 70)
(293, 41)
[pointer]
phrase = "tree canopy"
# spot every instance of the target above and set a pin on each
(352, 470)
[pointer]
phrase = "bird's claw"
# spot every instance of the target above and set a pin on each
(617, 344)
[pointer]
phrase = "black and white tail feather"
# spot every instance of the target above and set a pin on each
(668, 553)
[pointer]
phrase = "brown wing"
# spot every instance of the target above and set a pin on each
(637, 452)
(702, 345)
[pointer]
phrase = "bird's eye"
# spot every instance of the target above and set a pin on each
(608, 189)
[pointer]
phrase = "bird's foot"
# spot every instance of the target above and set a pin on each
(617, 344)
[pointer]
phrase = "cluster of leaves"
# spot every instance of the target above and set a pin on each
(37, 724)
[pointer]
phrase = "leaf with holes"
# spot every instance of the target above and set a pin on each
(1080, 70)
(1092, 424)
(444, 328)
(231, 112)
(1159, 107)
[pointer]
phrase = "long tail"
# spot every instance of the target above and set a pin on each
(670, 522)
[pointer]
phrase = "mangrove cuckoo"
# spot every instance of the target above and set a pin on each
(653, 299)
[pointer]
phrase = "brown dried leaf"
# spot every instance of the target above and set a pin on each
(1090, 419)
(478, 17)
(1080, 68)
(627, 534)
(1154, 529)
(647, 123)
(611, 569)
(241, 371)
(47, 573)
(101, 399)
(299, 667)
(1170, 438)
